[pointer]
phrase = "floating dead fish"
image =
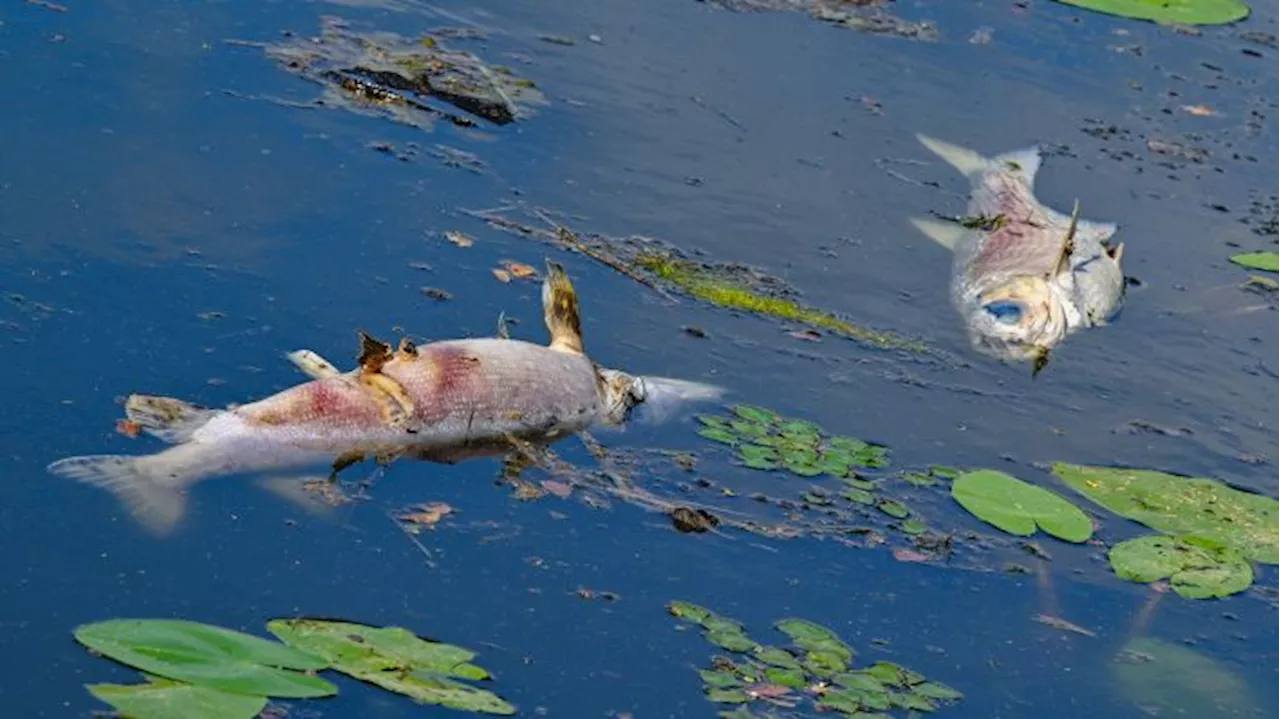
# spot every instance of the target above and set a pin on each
(1024, 276)
(440, 402)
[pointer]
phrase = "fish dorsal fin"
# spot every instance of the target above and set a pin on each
(1025, 163)
(312, 364)
(560, 310)
(962, 158)
(946, 234)
(169, 419)
(1063, 265)
(373, 353)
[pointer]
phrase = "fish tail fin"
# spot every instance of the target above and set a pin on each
(166, 418)
(153, 496)
(946, 234)
(560, 310)
(962, 158)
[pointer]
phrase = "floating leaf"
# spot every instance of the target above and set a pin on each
(934, 690)
(814, 637)
(1169, 679)
(841, 701)
(859, 681)
(207, 656)
(1018, 508)
(778, 657)
(944, 472)
(395, 659)
(718, 434)
(756, 414)
(688, 610)
(861, 496)
(1266, 261)
(719, 679)
(794, 678)
(1180, 12)
(732, 641)
(165, 699)
(893, 508)
(727, 696)
(825, 663)
(1198, 568)
(913, 526)
(893, 674)
(1183, 505)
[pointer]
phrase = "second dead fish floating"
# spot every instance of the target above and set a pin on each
(441, 402)
(1024, 276)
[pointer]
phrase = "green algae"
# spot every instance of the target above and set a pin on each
(704, 284)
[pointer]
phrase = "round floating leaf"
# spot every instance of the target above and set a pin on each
(395, 659)
(778, 657)
(719, 434)
(688, 610)
(749, 430)
(757, 457)
(207, 656)
(826, 662)
(1183, 505)
(710, 420)
(848, 445)
(913, 526)
(1268, 261)
(912, 701)
(730, 640)
(893, 508)
(934, 690)
(727, 696)
(759, 415)
(165, 699)
(859, 681)
(1169, 679)
(794, 678)
(842, 701)
(1197, 568)
(1181, 12)
(719, 679)
(861, 496)
(1016, 507)
(715, 623)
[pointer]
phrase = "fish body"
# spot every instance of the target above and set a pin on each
(1024, 276)
(443, 402)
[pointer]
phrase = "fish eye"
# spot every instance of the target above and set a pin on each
(1004, 310)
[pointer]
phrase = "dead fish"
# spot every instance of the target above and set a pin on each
(443, 402)
(1024, 276)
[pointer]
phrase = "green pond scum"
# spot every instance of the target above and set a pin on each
(815, 670)
(199, 670)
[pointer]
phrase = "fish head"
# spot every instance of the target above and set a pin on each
(620, 392)
(661, 397)
(1099, 286)
(1021, 318)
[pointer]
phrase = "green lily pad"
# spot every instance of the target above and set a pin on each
(893, 508)
(719, 434)
(395, 659)
(732, 641)
(719, 679)
(1016, 507)
(688, 610)
(814, 637)
(208, 656)
(1168, 679)
(760, 415)
(861, 496)
(794, 678)
(894, 674)
(163, 699)
(1180, 12)
(825, 662)
(913, 526)
(727, 696)
(1198, 568)
(1267, 261)
(934, 690)
(1183, 505)
(859, 681)
(841, 700)
(778, 657)
(715, 623)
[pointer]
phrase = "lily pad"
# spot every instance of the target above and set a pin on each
(1183, 505)
(1016, 507)
(208, 656)
(1266, 261)
(814, 637)
(395, 659)
(1168, 679)
(688, 610)
(163, 699)
(1198, 568)
(1181, 12)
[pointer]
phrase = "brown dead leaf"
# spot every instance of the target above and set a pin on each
(128, 428)
(1200, 110)
(502, 275)
(460, 239)
(424, 515)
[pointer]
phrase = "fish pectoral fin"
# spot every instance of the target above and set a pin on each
(1116, 253)
(312, 364)
(560, 310)
(946, 234)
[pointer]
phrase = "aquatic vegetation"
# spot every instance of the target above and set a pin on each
(1196, 567)
(196, 669)
(1267, 261)
(1181, 12)
(869, 16)
(765, 440)
(815, 670)
(1163, 678)
(702, 282)
(415, 81)
(395, 659)
(1017, 507)
(1183, 505)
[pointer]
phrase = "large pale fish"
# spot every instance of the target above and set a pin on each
(442, 402)
(1024, 276)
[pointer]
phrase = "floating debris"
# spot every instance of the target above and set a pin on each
(415, 81)
(869, 16)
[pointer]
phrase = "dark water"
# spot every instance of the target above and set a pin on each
(145, 180)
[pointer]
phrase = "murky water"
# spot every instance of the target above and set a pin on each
(153, 173)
